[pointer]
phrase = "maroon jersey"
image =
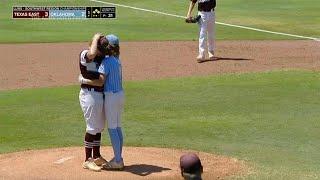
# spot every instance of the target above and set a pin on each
(205, 5)
(89, 69)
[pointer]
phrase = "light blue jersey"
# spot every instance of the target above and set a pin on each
(111, 68)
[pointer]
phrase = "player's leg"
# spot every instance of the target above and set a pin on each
(202, 35)
(88, 140)
(111, 102)
(119, 115)
(211, 33)
(111, 115)
(89, 108)
(120, 134)
(99, 124)
(96, 146)
(98, 159)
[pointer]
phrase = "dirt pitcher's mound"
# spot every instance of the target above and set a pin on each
(147, 163)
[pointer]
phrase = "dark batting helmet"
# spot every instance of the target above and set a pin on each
(191, 167)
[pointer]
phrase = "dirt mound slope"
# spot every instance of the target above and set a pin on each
(140, 163)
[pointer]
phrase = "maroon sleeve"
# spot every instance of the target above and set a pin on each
(194, 1)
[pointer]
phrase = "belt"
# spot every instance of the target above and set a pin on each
(92, 89)
(206, 10)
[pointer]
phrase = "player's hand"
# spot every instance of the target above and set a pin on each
(193, 19)
(188, 19)
(96, 36)
(94, 46)
(188, 16)
(82, 80)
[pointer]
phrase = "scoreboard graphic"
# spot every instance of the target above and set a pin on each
(63, 12)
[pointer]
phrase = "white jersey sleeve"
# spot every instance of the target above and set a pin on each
(83, 57)
(101, 69)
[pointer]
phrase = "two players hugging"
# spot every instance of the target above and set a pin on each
(102, 100)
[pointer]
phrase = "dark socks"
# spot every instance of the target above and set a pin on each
(88, 140)
(96, 145)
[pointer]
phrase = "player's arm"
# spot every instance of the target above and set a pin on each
(103, 70)
(191, 6)
(93, 82)
(92, 53)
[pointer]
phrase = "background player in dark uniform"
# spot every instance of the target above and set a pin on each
(91, 102)
(206, 24)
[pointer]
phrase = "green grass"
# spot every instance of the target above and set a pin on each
(291, 16)
(270, 120)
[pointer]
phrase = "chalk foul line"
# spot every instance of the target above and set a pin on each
(221, 23)
(62, 160)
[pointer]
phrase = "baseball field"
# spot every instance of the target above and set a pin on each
(251, 114)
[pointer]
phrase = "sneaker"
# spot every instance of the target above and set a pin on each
(113, 165)
(211, 54)
(200, 58)
(100, 161)
(89, 164)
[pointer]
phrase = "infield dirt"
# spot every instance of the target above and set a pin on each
(140, 163)
(56, 64)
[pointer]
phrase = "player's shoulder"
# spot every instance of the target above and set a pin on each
(83, 51)
(82, 57)
(110, 59)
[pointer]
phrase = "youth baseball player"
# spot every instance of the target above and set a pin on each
(111, 76)
(91, 102)
(206, 24)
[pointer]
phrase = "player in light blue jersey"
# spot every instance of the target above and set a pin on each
(111, 76)
(111, 68)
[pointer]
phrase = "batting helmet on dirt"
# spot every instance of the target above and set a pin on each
(191, 167)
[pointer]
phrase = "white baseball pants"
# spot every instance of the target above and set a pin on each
(207, 26)
(113, 106)
(91, 103)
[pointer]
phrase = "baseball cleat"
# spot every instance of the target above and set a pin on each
(200, 58)
(211, 54)
(100, 161)
(113, 165)
(89, 164)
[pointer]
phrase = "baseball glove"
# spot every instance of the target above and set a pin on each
(193, 19)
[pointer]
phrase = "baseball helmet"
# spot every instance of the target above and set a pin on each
(191, 167)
